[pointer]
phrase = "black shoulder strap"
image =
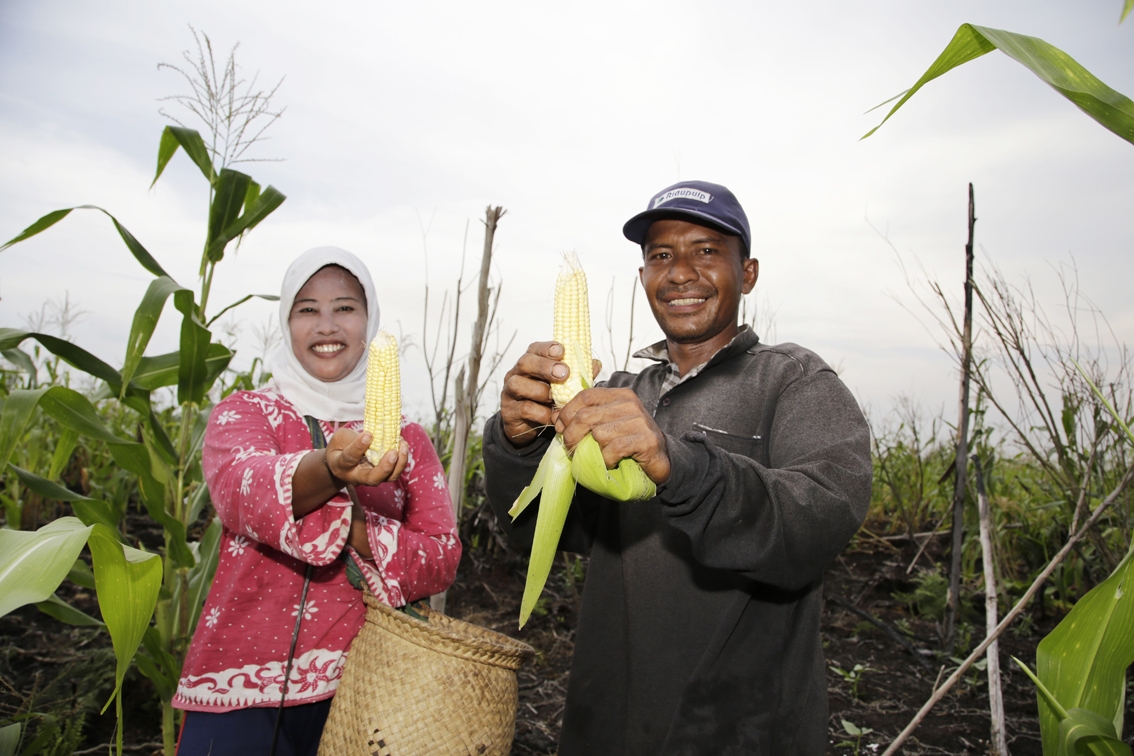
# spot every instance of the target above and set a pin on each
(318, 438)
(318, 441)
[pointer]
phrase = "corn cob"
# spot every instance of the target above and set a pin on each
(558, 471)
(383, 414)
(572, 329)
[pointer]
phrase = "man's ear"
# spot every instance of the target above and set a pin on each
(751, 273)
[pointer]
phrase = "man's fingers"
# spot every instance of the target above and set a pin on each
(521, 388)
(552, 349)
(596, 368)
(542, 367)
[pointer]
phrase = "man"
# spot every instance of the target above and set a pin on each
(699, 630)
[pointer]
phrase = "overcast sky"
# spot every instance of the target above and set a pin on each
(405, 120)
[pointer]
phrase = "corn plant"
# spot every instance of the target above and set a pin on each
(162, 456)
(1112, 110)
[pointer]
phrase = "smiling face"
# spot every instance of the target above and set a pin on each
(328, 324)
(694, 277)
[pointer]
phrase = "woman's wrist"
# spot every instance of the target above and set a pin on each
(336, 481)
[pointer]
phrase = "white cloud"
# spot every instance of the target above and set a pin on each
(571, 117)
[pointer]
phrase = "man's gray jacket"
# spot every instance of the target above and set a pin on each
(699, 630)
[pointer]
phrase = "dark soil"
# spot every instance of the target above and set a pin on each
(66, 673)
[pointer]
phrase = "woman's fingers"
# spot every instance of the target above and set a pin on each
(347, 460)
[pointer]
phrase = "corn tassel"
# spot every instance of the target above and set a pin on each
(383, 414)
(558, 471)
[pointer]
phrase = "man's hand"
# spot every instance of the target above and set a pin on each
(621, 426)
(525, 403)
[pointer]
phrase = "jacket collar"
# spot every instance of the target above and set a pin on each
(745, 339)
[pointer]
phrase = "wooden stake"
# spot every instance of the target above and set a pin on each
(998, 740)
(466, 388)
(954, 596)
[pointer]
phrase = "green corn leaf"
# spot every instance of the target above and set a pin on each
(33, 564)
(86, 509)
(128, 581)
(64, 612)
(198, 502)
(74, 356)
(158, 664)
(9, 739)
(1099, 395)
(160, 370)
(1113, 110)
(81, 575)
(17, 411)
(73, 410)
(558, 488)
(145, 321)
(20, 359)
(264, 205)
(1126, 8)
(626, 482)
(64, 448)
(231, 189)
(152, 473)
(135, 247)
(175, 136)
(201, 575)
(160, 439)
(1085, 732)
(1083, 660)
(42, 224)
(242, 300)
(1042, 690)
(193, 352)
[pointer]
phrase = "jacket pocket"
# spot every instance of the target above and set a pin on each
(749, 445)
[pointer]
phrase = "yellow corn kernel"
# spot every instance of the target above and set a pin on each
(382, 417)
(572, 329)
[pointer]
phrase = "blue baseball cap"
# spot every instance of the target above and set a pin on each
(699, 201)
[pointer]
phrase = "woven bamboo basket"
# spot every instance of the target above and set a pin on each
(438, 687)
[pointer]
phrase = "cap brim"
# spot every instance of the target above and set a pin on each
(637, 227)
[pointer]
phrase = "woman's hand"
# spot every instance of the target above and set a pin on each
(346, 460)
(322, 473)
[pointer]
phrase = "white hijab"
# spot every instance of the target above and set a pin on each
(341, 400)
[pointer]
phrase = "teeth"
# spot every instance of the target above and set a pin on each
(328, 348)
(683, 302)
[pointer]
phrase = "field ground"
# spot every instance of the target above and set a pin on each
(70, 670)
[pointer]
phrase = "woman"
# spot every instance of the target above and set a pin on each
(284, 505)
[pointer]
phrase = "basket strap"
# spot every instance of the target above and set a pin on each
(318, 441)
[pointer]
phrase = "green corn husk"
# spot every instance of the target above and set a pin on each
(554, 482)
(554, 479)
(626, 482)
